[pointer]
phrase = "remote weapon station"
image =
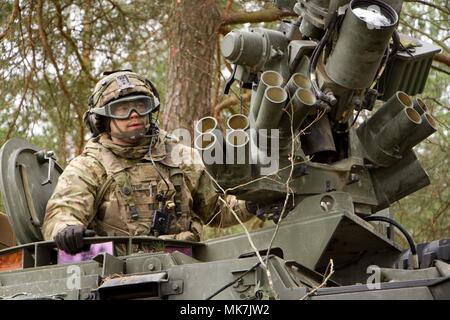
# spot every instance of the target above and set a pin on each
(326, 148)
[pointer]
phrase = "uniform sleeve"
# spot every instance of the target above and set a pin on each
(72, 202)
(206, 202)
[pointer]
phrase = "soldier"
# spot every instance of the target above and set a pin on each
(127, 180)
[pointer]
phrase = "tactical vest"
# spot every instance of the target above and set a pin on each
(127, 201)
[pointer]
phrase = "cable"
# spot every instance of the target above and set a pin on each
(233, 282)
(312, 66)
(408, 237)
(156, 168)
(354, 120)
(396, 44)
(314, 59)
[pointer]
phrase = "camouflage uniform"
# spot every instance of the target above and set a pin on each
(102, 187)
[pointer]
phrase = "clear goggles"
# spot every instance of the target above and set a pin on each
(122, 108)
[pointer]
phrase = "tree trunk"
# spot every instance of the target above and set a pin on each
(192, 33)
(86, 62)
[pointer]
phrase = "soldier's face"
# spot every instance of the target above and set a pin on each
(122, 131)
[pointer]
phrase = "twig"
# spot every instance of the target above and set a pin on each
(19, 108)
(249, 237)
(288, 191)
(229, 102)
(319, 116)
(16, 9)
(48, 50)
(440, 70)
(440, 43)
(330, 271)
(431, 4)
(71, 41)
(265, 15)
(246, 232)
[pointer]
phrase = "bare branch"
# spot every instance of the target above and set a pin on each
(249, 237)
(70, 40)
(328, 273)
(13, 16)
(440, 69)
(48, 50)
(438, 23)
(267, 15)
(252, 244)
(19, 108)
(442, 58)
(229, 5)
(439, 42)
(224, 30)
(229, 102)
(436, 216)
(444, 9)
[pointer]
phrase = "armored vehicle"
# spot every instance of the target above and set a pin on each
(304, 156)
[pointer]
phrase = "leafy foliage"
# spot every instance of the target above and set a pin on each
(426, 213)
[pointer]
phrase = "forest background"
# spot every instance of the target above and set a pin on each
(53, 52)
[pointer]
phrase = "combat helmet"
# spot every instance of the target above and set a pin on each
(115, 87)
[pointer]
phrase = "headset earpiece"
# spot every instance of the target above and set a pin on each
(89, 122)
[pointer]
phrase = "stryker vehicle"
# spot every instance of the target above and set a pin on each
(304, 153)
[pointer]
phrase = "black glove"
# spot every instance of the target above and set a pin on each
(268, 211)
(251, 206)
(70, 239)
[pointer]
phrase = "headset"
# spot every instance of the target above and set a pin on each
(98, 124)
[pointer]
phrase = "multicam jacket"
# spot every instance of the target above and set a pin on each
(114, 190)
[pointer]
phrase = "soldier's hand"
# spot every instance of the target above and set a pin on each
(270, 211)
(186, 236)
(251, 207)
(70, 239)
(259, 210)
